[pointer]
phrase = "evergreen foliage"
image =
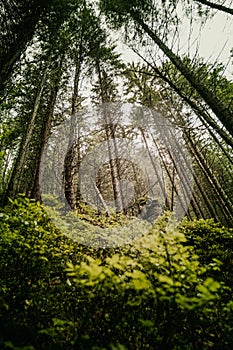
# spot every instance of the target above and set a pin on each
(120, 276)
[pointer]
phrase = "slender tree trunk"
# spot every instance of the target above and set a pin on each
(161, 184)
(5, 169)
(176, 190)
(16, 176)
(206, 200)
(100, 198)
(185, 188)
(33, 190)
(25, 175)
(112, 147)
(23, 33)
(216, 140)
(200, 112)
(173, 189)
(196, 108)
(72, 159)
(223, 113)
(197, 182)
(117, 191)
(215, 6)
(195, 201)
(197, 154)
(226, 205)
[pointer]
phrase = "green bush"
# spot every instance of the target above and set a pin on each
(33, 257)
(170, 289)
(155, 294)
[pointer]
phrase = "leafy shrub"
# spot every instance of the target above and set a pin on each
(155, 294)
(170, 289)
(32, 261)
(214, 246)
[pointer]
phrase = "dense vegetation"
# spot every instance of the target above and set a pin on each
(169, 290)
(130, 246)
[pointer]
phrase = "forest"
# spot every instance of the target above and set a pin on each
(116, 175)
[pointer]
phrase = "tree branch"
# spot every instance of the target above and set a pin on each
(216, 6)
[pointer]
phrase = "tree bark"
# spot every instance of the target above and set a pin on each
(71, 164)
(16, 176)
(224, 114)
(33, 190)
(112, 147)
(216, 6)
(23, 33)
(226, 205)
(161, 184)
(170, 177)
(26, 172)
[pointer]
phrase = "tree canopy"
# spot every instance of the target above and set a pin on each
(116, 163)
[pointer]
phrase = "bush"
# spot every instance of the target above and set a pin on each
(33, 257)
(171, 289)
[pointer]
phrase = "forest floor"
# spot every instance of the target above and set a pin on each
(166, 289)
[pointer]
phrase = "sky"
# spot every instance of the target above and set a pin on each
(214, 41)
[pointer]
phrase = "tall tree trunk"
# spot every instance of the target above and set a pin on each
(175, 188)
(112, 147)
(226, 205)
(16, 176)
(114, 165)
(223, 113)
(211, 212)
(33, 190)
(161, 184)
(197, 182)
(185, 187)
(73, 156)
(23, 33)
(215, 6)
(100, 198)
(199, 111)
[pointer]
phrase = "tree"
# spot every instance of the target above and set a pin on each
(127, 11)
(107, 94)
(24, 177)
(213, 5)
(212, 76)
(18, 22)
(37, 110)
(83, 40)
(211, 196)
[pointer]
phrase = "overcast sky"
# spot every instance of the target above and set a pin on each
(214, 41)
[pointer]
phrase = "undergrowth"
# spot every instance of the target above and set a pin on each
(167, 289)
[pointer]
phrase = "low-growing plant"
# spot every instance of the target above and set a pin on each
(168, 289)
